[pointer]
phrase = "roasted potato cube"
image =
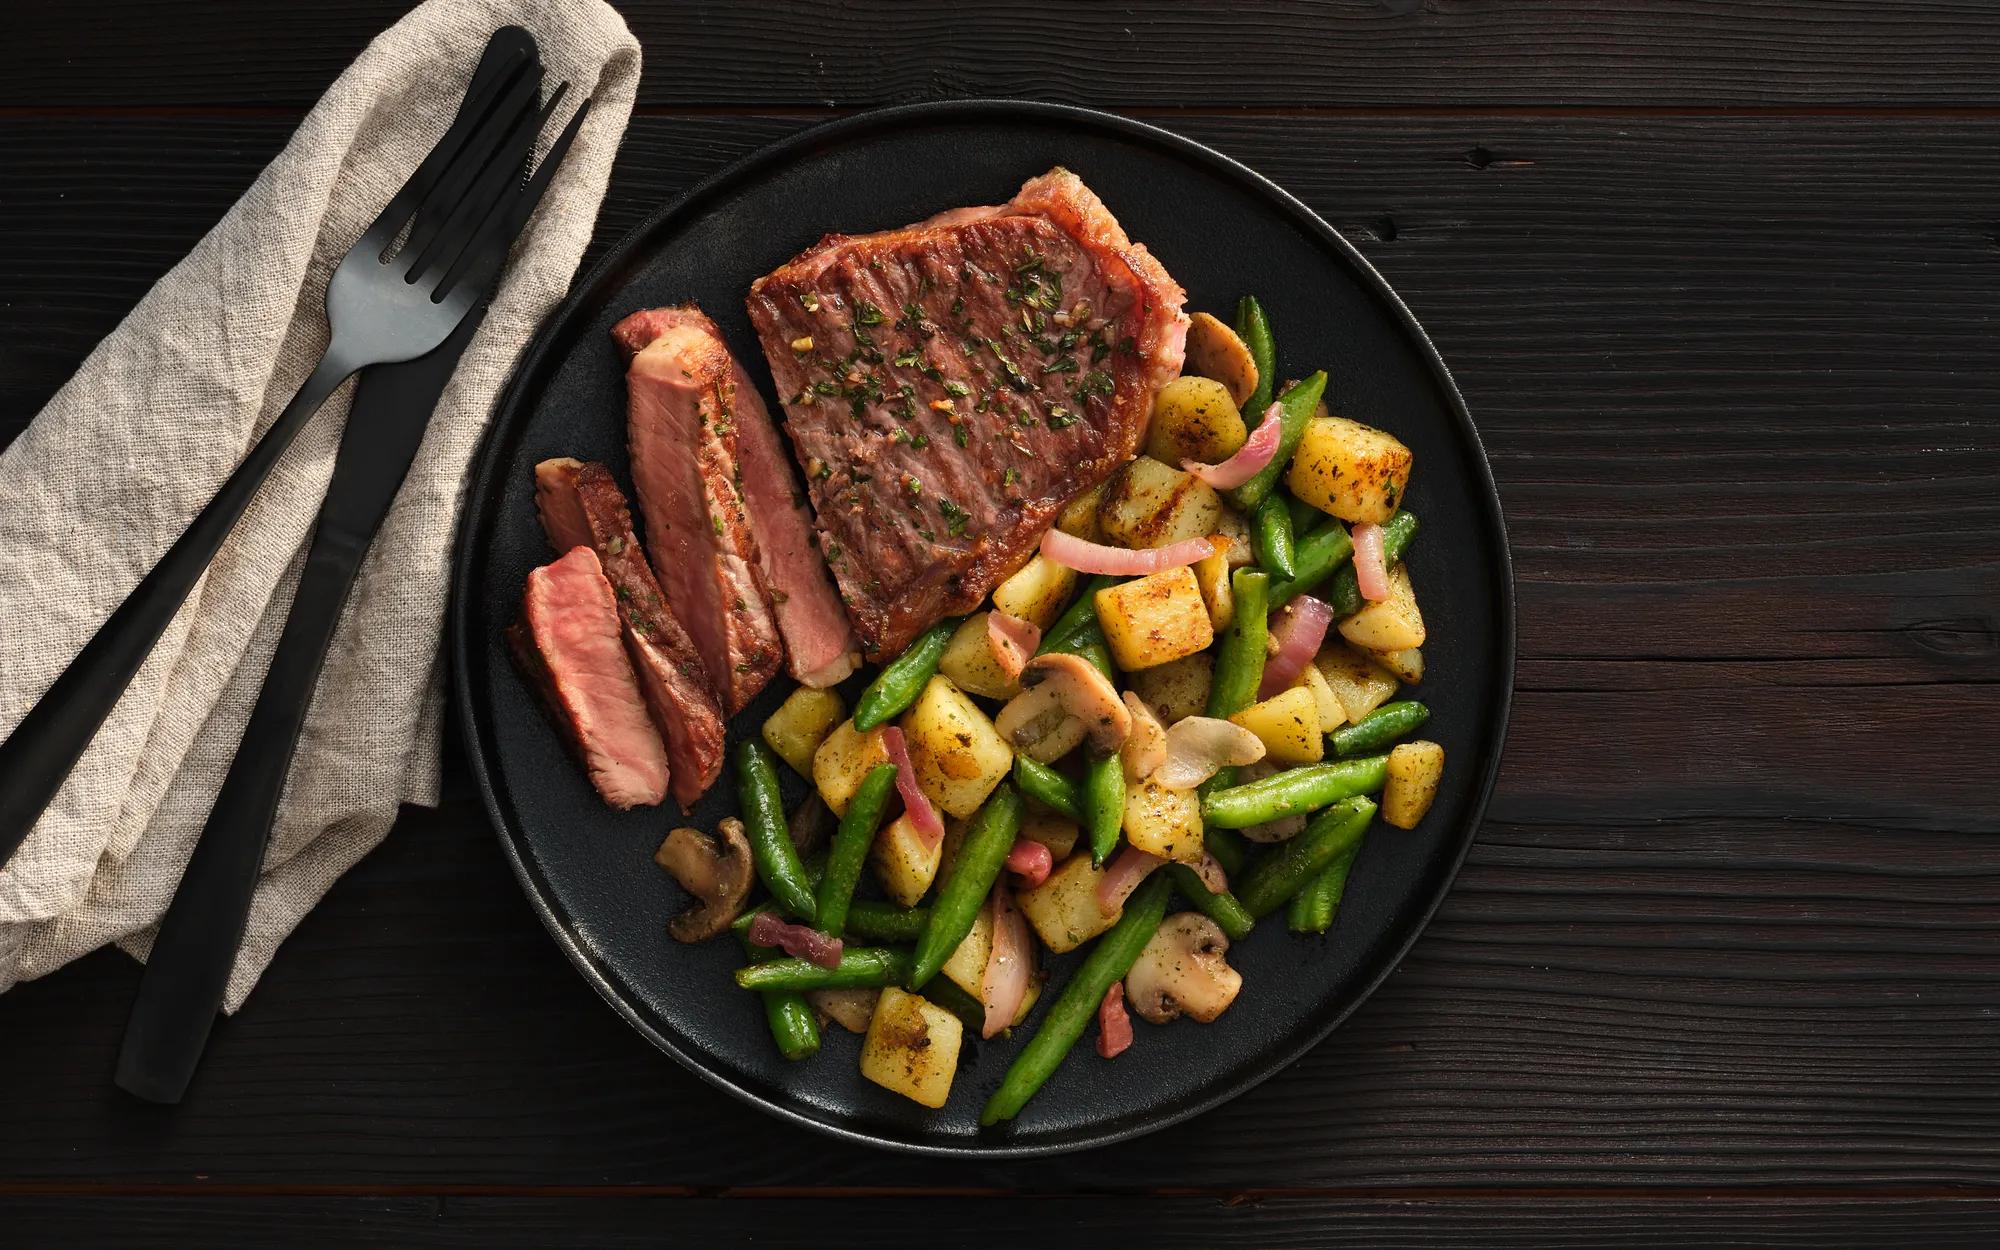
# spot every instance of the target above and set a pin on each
(1164, 822)
(1064, 909)
(1352, 470)
(1415, 768)
(843, 761)
(905, 861)
(1037, 593)
(1236, 529)
(1406, 665)
(1391, 624)
(1288, 725)
(958, 756)
(1195, 419)
(1215, 351)
(967, 965)
(1358, 683)
(1331, 714)
(912, 1047)
(801, 723)
(1154, 619)
(1052, 829)
(1149, 504)
(969, 664)
(1177, 689)
(1211, 574)
(1079, 515)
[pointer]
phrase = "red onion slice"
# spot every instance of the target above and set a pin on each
(1250, 458)
(795, 939)
(915, 803)
(1010, 966)
(1087, 557)
(1298, 635)
(1371, 565)
(1114, 1026)
(1030, 861)
(1123, 876)
(1013, 641)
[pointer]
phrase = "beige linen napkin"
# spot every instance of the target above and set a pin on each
(111, 472)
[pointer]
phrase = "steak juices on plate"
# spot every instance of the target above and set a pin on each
(957, 393)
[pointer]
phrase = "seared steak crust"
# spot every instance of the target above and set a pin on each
(951, 385)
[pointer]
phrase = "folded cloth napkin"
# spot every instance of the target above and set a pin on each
(119, 462)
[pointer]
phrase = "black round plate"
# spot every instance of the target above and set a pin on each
(1222, 231)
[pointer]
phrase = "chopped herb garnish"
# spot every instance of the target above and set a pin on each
(957, 390)
(955, 517)
(867, 314)
(907, 358)
(959, 436)
(1011, 476)
(810, 300)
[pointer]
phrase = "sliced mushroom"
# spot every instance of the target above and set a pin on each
(851, 1009)
(1146, 746)
(1183, 971)
(1215, 351)
(715, 869)
(1057, 688)
(1283, 828)
(1198, 747)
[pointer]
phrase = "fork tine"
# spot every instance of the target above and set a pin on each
(472, 274)
(508, 49)
(507, 167)
(517, 99)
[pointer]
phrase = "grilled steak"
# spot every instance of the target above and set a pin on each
(683, 438)
(581, 506)
(567, 643)
(949, 386)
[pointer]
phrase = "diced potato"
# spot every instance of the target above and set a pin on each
(1037, 593)
(1233, 526)
(1064, 909)
(801, 723)
(1177, 689)
(1391, 624)
(967, 965)
(905, 861)
(1154, 619)
(1215, 351)
(969, 664)
(1331, 714)
(843, 762)
(1150, 504)
(1352, 470)
(1195, 419)
(1288, 725)
(1357, 681)
(1407, 665)
(1415, 768)
(1079, 515)
(1211, 574)
(958, 756)
(1164, 822)
(1052, 829)
(912, 1047)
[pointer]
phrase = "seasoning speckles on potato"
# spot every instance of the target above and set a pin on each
(1354, 471)
(1195, 418)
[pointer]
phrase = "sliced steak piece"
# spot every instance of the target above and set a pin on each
(951, 385)
(568, 644)
(581, 506)
(683, 438)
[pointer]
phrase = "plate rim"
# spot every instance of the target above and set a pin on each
(485, 466)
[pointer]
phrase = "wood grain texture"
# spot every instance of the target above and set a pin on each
(1171, 54)
(1734, 922)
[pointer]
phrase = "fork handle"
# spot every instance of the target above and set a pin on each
(43, 748)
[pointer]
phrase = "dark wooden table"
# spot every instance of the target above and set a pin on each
(1721, 283)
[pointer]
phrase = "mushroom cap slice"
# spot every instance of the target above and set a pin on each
(1198, 747)
(1183, 971)
(716, 869)
(1059, 687)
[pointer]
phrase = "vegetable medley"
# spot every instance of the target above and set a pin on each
(1188, 694)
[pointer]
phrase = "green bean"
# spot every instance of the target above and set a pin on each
(1304, 515)
(1380, 727)
(903, 678)
(1344, 594)
(1088, 642)
(1331, 834)
(980, 857)
(850, 847)
(1109, 960)
(1255, 331)
(861, 967)
(1293, 791)
(886, 922)
(1312, 909)
(771, 846)
(1315, 556)
(1271, 536)
(1224, 908)
(1048, 787)
(1103, 804)
(1229, 848)
(1081, 612)
(947, 994)
(790, 1017)
(1239, 661)
(1295, 409)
